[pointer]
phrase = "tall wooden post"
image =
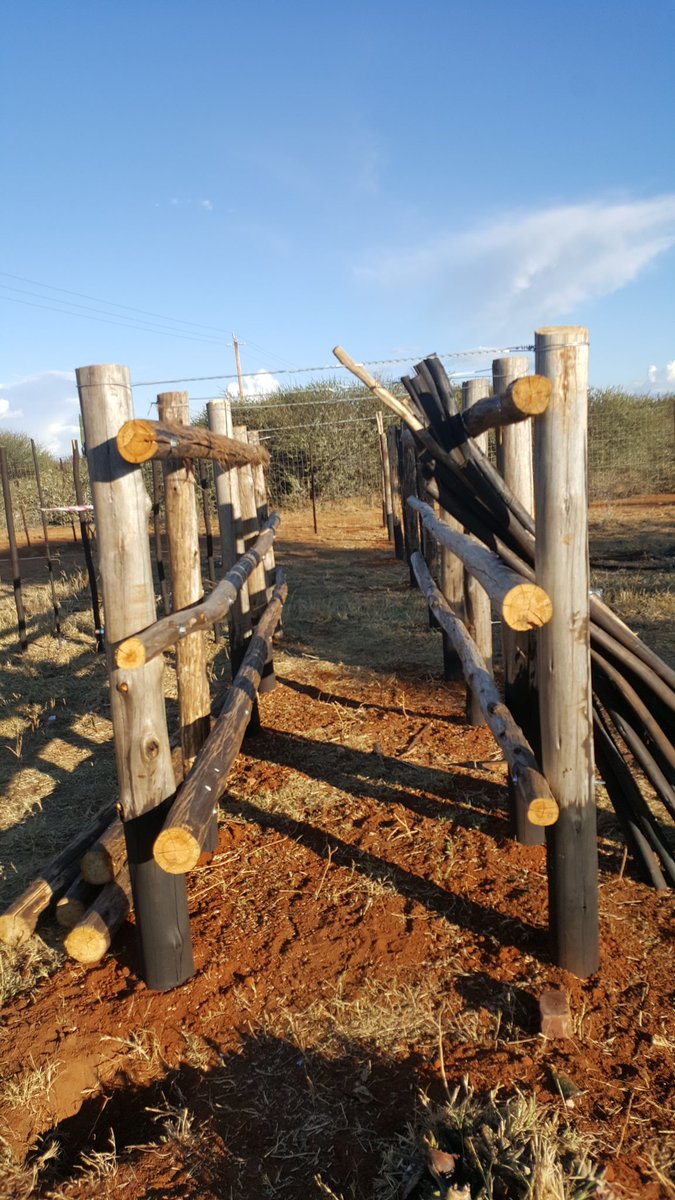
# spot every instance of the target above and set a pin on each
(231, 537)
(268, 680)
(411, 524)
(478, 613)
(86, 547)
(386, 477)
(45, 534)
(519, 649)
(157, 535)
(395, 485)
(143, 756)
(563, 661)
(13, 551)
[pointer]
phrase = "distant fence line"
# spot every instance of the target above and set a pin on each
(631, 452)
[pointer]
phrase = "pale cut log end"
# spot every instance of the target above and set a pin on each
(543, 811)
(14, 930)
(130, 654)
(69, 912)
(526, 606)
(531, 394)
(87, 944)
(176, 850)
(96, 867)
(136, 441)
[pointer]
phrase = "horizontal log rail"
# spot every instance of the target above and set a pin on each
(178, 846)
(88, 941)
(140, 440)
(133, 652)
(106, 856)
(519, 602)
(533, 791)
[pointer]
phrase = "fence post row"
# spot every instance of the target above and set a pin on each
(143, 756)
(13, 551)
(476, 600)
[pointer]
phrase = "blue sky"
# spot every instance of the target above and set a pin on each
(399, 178)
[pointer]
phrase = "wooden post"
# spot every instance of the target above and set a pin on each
(86, 547)
(45, 532)
(208, 532)
(157, 535)
(182, 529)
(231, 538)
(268, 681)
(411, 525)
(563, 662)
(13, 550)
(451, 583)
(519, 649)
(257, 584)
(143, 756)
(386, 476)
(392, 449)
(478, 614)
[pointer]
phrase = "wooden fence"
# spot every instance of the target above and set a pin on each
(575, 678)
(138, 850)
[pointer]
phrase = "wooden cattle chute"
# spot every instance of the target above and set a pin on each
(115, 865)
(596, 686)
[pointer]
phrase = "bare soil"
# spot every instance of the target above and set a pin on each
(367, 937)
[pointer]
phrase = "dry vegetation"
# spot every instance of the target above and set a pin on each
(369, 944)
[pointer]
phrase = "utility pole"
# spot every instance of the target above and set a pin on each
(238, 362)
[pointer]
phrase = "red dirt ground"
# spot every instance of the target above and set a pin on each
(392, 874)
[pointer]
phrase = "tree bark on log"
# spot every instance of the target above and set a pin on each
(139, 440)
(179, 844)
(73, 904)
(133, 652)
(18, 921)
(106, 856)
(536, 794)
(477, 608)
(523, 605)
(88, 941)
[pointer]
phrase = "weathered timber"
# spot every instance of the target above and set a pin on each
(182, 531)
(142, 752)
(179, 845)
(157, 535)
(88, 941)
(45, 533)
(140, 440)
(523, 605)
(86, 547)
(536, 794)
(229, 519)
(268, 681)
(563, 662)
(18, 921)
(13, 550)
(135, 651)
(411, 525)
(523, 398)
(392, 448)
(257, 583)
(386, 477)
(73, 904)
(104, 859)
(477, 609)
(660, 742)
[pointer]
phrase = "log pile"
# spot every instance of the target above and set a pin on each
(633, 688)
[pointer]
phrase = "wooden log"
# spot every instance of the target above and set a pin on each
(18, 921)
(386, 477)
(411, 525)
(522, 398)
(104, 859)
(392, 453)
(88, 941)
(536, 794)
(257, 583)
(451, 581)
(477, 609)
(182, 530)
(229, 518)
(142, 752)
(45, 533)
(138, 441)
(179, 844)
(73, 904)
(157, 536)
(523, 605)
(13, 550)
(133, 652)
(564, 668)
(268, 681)
(86, 548)
(203, 477)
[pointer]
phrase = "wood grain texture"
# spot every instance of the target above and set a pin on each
(140, 440)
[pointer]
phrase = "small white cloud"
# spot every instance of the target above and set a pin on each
(670, 372)
(207, 204)
(653, 373)
(7, 413)
(254, 386)
(661, 379)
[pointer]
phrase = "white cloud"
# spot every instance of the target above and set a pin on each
(43, 406)
(538, 265)
(670, 372)
(254, 386)
(207, 204)
(7, 413)
(661, 379)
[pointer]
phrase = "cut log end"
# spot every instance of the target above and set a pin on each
(69, 911)
(531, 394)
(176, 850)
(14, 929)
(96, 866)
(543, 811)
(526, 606)
(130, 654)
(136, 441)
(87, 944)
